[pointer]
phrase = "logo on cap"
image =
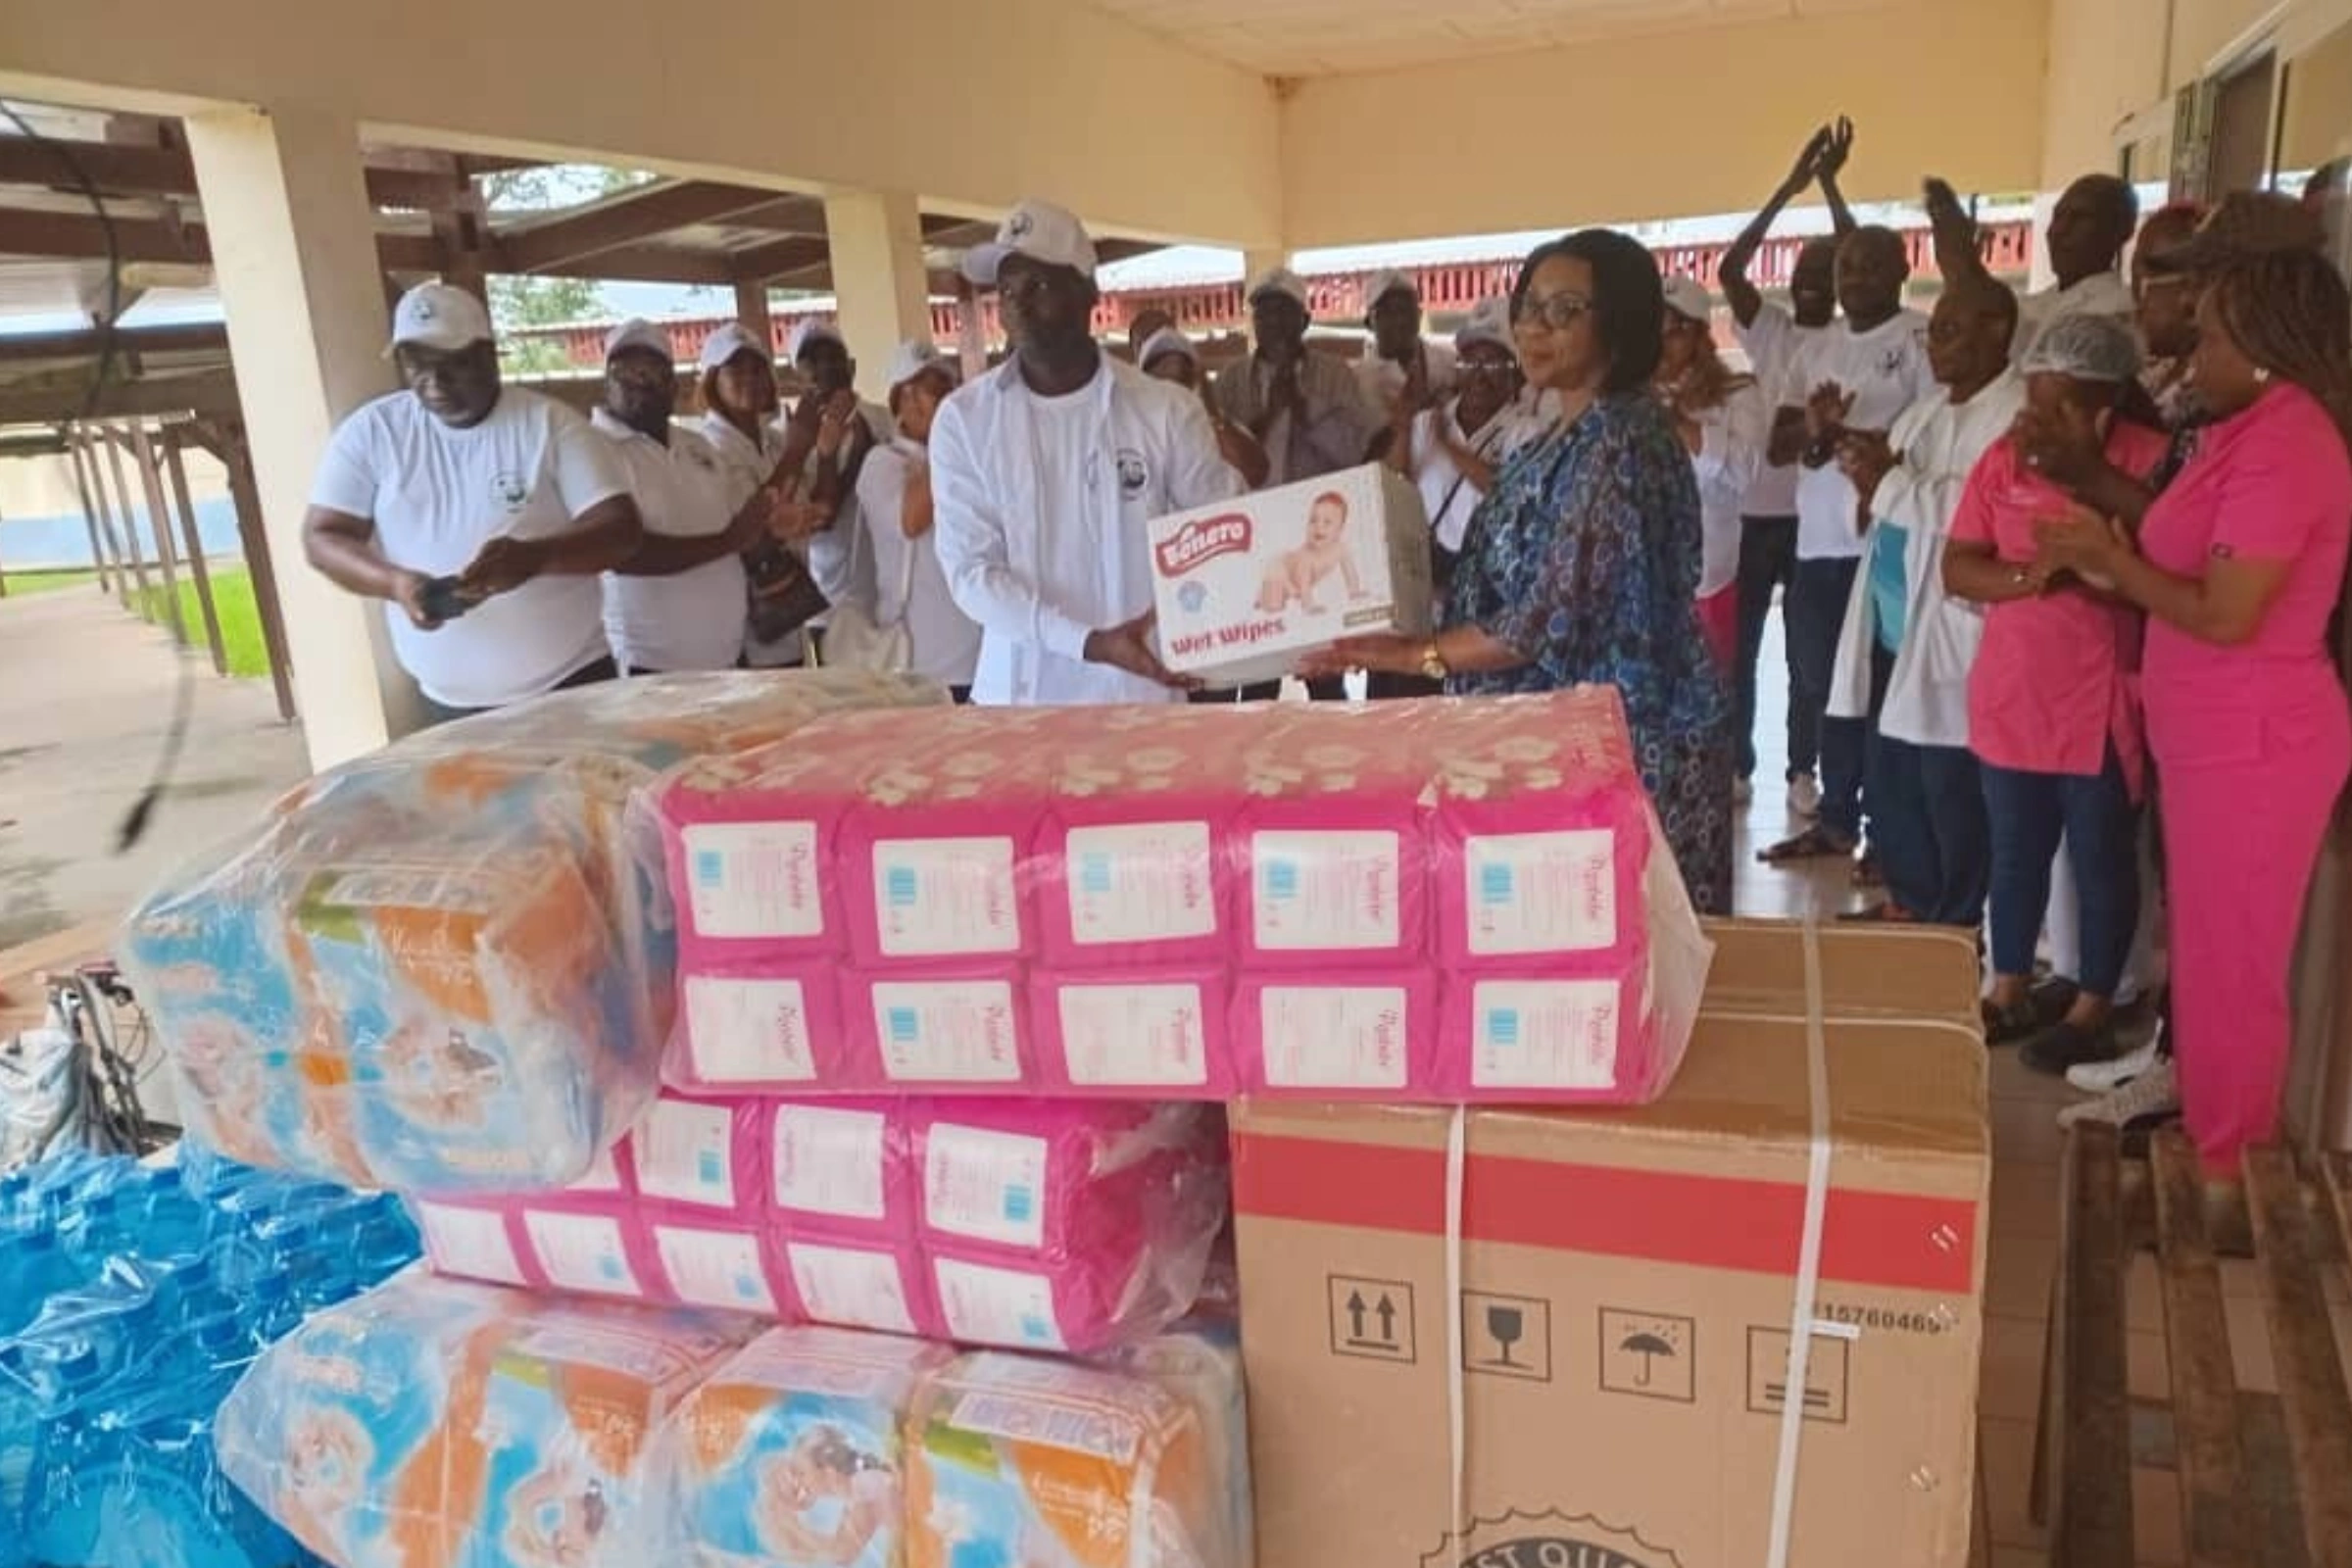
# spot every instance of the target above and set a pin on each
(425, 310)
(1201, 541)
(1018, 226)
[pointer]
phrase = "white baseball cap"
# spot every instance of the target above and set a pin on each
(1167, 340)
(1278, 280)
(636, 333)
(1689, 298)
(1490, 321)
(810, 331)
(440, 316)
(914, 357)
(1387, 281)
(728, 341)
(1038, 230)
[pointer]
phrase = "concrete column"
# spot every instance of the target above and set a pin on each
(285, 204)
(876, 240)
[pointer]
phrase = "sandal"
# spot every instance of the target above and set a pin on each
(2065, 1045)
(1815, 842)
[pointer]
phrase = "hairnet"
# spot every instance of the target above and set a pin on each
(2089, 347)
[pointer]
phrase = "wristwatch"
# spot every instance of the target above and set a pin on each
(1433, 663)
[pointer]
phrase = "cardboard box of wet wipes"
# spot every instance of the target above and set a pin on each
(1248, 587)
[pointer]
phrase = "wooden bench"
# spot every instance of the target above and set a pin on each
(2249, 1497)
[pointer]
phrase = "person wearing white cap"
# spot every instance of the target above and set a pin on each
(1044, 474)
(1305, 407)
(1401, 366)
(682, 605)
(840, 429)
(1169, 356)
(1725, 422)
(893, 494)
(759, 458)
(480, 514)
(1451, 450)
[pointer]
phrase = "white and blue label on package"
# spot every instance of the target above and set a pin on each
(752, 879)
(1542, 893)
(1093, 874)
(583, 1253)
(945, 897)
(989, 1306)
(984, 1184)
(1279, 878)
(1545, 1034)
(948, 1031)
(714, 1269)
(685, 1153)
(1494, 884)
(1320, 890)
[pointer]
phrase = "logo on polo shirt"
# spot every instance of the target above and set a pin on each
(511, 491)
(1203, 540)
(1134, 473)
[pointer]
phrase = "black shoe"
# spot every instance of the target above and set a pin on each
(2066, 1045)
(2052, 999)
(2006, 1026)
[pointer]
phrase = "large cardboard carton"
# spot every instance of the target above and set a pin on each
(1625, 1285)
(1246, 587)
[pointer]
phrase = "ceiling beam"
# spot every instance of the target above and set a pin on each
(195, 338)
(623, 221)
(779, 257)
(635, 263)
(119, 169)
(73, 237)
(213, 392)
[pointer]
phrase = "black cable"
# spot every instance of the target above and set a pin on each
(183, 701)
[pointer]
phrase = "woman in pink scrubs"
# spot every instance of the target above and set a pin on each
(2240, 565)
(2052, 714)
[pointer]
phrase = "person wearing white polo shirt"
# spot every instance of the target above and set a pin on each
(1402, 367)
(840, 429)
(1044, 474)
(1856, 379)
(482, 514)
(683, 608)
(894, 495)
(758, 456)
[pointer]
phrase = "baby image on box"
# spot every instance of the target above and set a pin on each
(1293, 576)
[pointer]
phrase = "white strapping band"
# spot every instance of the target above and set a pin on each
(1801, 1327)
(1456, 1416)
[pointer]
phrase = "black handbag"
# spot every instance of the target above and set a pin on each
(784, 595)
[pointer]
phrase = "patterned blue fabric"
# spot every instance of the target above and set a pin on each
(1585, 558)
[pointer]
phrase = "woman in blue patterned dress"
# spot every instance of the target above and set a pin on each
(1582, 563)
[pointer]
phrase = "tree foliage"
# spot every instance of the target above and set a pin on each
(518, 303)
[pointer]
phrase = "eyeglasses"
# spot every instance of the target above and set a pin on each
(1558, 312)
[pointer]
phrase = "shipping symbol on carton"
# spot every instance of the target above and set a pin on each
(1651, 1355)
(1371, 1318)
(1550, 1538)
(1506, 1336)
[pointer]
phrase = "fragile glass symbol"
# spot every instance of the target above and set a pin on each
(1649, 1346)
(1508, 1325)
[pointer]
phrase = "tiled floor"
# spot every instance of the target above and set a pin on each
(2023, 1250)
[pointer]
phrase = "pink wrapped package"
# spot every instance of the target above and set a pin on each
(759, 1024)
(1131, 861)
(1331, 846)
(1079, 1225)
(1118, 1031)
(1363, 1036)
(960, 1027)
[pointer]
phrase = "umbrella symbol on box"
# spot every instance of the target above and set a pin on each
(1647, 1347)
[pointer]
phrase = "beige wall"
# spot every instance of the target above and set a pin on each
(1667, 125)
(969, 104)
(2316, 121)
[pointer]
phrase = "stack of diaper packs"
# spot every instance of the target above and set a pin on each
(437, 1424)
(1058, 1225)
(449, 966)
(1434, 900)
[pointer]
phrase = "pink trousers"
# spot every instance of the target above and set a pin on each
(1719, 624)
(2244, 821)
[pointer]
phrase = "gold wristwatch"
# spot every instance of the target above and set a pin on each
(1433, 663)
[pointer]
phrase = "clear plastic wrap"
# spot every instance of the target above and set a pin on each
(1434, 900)
(448, 965)
(135, 1297)
(1065, 1225)
(438, 1424)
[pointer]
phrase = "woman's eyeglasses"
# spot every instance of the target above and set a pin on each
(1555, 311)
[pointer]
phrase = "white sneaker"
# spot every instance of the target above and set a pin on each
(2154, 1092)
(1743, 791)
(1804, 796)
(2105, 1077)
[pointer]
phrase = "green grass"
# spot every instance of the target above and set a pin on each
(232, 600)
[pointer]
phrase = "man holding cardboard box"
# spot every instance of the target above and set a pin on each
(1044, 474)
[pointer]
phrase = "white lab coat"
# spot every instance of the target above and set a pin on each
(1937, 443)
(1036, 597)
